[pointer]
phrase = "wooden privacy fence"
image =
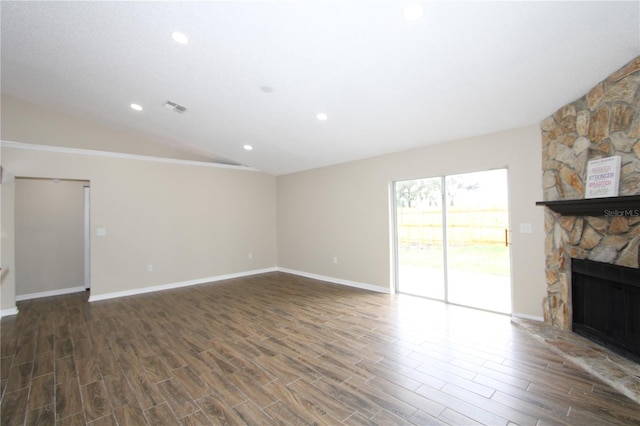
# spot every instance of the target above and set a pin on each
(420, 226)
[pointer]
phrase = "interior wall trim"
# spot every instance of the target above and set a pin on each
(9, 312)
(340, 281)
(152, 289)
(120, 155)
(50, 293)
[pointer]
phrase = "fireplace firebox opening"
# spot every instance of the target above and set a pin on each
(606, 305)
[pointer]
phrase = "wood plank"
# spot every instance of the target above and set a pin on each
(88, 370)
(251, 414)
(25, 353)
(75, 420)
(161, 415)
(44, 415)
(156, 369)
(426, 405)
(42, 392)
(43, 364)
(19, 377)
(145, 391)
(190, 380)
(177, 397)
(45, 343)
(473, 412)
(65, 369)
(95, 401)
(13, 407)
(320, 402)
(63, 347)
(277, 348)
(119, 392)
(196, 419)
(254, 392)
(216, 411)
(68, 399)
(129, 414)
(5, 366)
(223, 386)
(108, 420)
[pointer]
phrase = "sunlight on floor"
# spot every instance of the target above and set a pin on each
(483, 291)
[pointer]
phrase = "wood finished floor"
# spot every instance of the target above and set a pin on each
(281, 349)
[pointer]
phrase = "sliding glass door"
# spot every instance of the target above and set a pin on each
(451, 239)
(477, 240)
(420, 243)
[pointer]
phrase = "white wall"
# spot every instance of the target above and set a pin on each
(49, 231)
(344, 211)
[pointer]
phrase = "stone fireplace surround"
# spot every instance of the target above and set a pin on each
(603, 123)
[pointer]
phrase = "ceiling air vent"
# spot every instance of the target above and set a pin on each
(172, 106)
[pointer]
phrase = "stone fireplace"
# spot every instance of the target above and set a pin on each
(605, 300)
(603, 123)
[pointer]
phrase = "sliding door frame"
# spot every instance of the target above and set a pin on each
(395, 257)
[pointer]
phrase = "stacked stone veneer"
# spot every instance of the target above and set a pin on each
(603, 123)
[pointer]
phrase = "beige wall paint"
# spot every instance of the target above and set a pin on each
(49, 230)
(7, 279)
(25, 122)
(2, 270)
(193, 222)
(190, 222)
(344, 211)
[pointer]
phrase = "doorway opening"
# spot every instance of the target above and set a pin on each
(452, 239)
(52, 237)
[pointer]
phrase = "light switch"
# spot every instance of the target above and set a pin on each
(101, 232)
(526, 228)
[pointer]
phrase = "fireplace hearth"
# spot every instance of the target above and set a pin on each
(606, 305)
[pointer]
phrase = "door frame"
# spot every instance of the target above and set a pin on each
(395, 258)
(87, 236)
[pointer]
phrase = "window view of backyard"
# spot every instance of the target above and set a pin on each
(458, 221)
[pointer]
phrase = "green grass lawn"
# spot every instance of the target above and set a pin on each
(485, 259)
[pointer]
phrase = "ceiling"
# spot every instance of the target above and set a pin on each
(385, 83)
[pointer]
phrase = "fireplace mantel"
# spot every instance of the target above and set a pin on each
(609, 206)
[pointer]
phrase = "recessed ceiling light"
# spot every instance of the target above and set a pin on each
(136, 107)
(321, 116)
(178, 37)
(413, 12)
(247, 147)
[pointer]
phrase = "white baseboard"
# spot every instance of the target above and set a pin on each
(9, 312)
(143, 290)
(59, 292)
(529, 317)
(337, 281)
